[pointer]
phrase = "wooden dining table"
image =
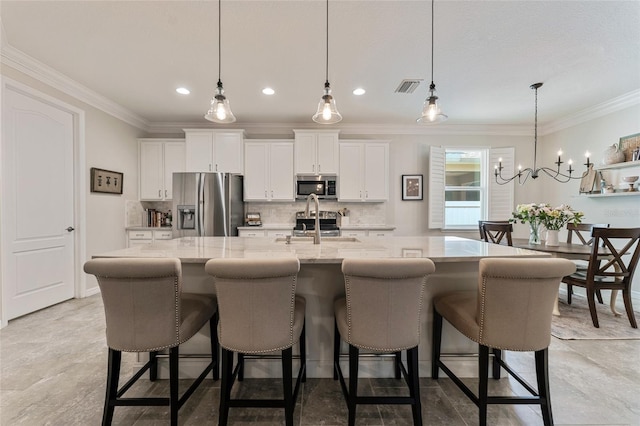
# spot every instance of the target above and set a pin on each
(568, 251)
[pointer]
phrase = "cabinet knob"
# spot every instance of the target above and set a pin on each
(159, 193)
(165, 194)
(318, 168)
(209, 167)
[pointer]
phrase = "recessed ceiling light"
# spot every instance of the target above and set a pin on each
(359, 91)
(268, 91)
(183, 90)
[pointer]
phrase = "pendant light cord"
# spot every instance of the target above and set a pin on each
(535, 134)
(219, 41)
(327, 61)
(432, 9)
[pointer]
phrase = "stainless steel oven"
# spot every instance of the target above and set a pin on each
(324, 186)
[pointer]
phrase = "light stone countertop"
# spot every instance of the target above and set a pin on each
(330, 251)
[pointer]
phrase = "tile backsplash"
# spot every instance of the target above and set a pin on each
(285, 213)
(134, 211)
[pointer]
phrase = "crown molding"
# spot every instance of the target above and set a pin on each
(613, 105)
(24, 63)
(286, 129)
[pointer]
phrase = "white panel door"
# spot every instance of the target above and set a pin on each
(37, 204)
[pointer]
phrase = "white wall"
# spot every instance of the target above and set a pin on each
(109, 144)
(595, 136)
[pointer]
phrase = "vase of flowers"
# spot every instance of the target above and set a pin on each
(531, 214)
(554, 219)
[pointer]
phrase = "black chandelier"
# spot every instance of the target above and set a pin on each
(534, 171)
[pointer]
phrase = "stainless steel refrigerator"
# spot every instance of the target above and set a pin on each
(207, 204)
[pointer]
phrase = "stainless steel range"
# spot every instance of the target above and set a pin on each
(328, 224)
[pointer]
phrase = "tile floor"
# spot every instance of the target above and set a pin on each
(53, 367)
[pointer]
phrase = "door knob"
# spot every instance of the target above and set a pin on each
(71, 228)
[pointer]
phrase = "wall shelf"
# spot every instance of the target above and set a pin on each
(611, 194)
(619, 165)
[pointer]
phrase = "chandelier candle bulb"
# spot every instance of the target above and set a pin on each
(587, 154)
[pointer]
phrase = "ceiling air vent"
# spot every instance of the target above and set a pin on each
(408, 86)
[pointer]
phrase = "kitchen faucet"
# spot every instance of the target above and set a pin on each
(316, 235)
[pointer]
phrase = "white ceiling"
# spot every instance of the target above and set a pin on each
(487, 54)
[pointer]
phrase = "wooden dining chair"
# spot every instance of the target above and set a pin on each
(612, 272)
(482, 222)
(582, 232)
(496, 232)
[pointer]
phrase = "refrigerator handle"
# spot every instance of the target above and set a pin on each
(201, 210)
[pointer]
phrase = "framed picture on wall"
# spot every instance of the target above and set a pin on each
(106, 181)
(411, 187)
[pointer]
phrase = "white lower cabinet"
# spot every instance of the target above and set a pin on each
(366, 233)
(265, 232)
(251, 233)
(147, 236)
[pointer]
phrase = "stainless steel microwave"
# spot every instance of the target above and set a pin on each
(324, 186)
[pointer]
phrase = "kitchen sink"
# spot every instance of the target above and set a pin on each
(295, 240)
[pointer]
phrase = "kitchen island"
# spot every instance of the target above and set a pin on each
(320, 281)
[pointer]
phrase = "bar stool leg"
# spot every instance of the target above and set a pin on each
(354, 352)
(437, 344)
(153, 369)
(397, 361)
(241, 369)
(173, 385)
(483, 373)
(303, 351)
(414, 385)
(287, 376)
(113, 375)
(215, 357)
(225, 386)
(542, 376)
(336, 350)
(497, 355)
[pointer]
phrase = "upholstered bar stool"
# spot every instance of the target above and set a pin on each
(146, 311)
(259, 313)
(381, 314)
(511, 310)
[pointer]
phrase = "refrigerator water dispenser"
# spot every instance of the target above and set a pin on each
(186, 217)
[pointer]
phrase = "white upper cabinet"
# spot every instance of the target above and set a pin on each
(364, 171)
(214, 150)
(268, 171)
(159, 159)
(316, 152)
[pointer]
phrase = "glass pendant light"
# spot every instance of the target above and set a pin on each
(220, 110)
(327, 112)
(431, 112)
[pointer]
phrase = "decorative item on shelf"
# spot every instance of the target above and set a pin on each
(253, 219)
(612, 155)
(220, 110)
(630, 146)
(631, 181)
(327, 112)
(535, 171)
(588, 179)
(431, 112)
